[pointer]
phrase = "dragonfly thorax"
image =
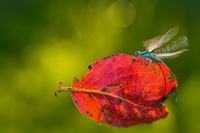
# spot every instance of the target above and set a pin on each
(148, 55)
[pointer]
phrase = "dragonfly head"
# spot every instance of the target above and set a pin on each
(137, 53)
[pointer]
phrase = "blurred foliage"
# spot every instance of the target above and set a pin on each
(44, 42)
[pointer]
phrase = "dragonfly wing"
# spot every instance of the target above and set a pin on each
(170, 55)
(158, 41)
(174, 46)
(150, 44)
(174, 49)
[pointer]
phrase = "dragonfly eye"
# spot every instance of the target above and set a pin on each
(137, 52)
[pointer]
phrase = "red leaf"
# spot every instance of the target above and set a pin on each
(123, 90)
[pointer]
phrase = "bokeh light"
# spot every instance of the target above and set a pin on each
(121, 13)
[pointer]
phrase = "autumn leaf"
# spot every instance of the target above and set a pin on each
(123, 90)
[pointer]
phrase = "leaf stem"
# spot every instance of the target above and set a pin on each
(62, 88)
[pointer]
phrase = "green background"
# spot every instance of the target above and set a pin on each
(43, 42)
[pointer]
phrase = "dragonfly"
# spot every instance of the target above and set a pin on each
(155, 50)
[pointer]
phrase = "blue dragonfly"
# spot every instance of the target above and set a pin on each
(156, 52)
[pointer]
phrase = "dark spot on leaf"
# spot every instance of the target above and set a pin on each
(87, 112)
(75, 102)
(90, 95)
(104, 90)
(150, 112)
(133, 60)
(172, 77)
(149, 92)
(120, 101)
(138, 96)
(75, 80)
(164, 98)
(89, 67)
